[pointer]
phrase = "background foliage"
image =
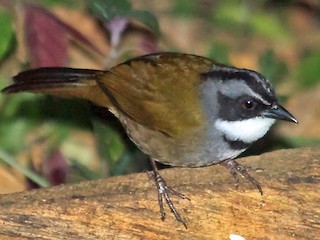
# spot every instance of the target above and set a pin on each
(47, 141)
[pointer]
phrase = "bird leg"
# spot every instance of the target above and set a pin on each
(164, 192)
(237, 169)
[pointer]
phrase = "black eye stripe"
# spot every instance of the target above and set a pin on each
(232, 109)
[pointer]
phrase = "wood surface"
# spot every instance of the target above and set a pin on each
(126, 207)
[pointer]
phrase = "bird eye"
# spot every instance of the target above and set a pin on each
(248, 104)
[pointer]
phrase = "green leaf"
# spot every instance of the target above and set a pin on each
(185, 8)
(271, 67)
(13, 134)
(7, 34)
(250, 15)
(269, 25)
(219, 52)
(148, 19)
(111, 145)
(309, 70)
(106, 10)
(298, 142)
(230, 13)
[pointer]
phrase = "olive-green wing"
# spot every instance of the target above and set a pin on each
(159, 91)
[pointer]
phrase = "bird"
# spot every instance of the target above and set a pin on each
(180, 109)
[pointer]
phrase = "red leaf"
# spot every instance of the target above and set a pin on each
(46, 38)
(6, 3)
(55, 168)
(148, 44)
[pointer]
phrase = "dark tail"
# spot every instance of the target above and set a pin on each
(60, 81)
(37, 80)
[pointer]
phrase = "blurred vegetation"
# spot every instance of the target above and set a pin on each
(278, 38)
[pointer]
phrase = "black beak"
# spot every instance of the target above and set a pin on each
(279, 112)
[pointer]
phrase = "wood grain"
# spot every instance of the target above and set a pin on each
(126, 207)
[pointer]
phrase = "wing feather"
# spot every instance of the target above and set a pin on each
(159, 91)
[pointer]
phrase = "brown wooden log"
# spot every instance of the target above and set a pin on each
(126, 207)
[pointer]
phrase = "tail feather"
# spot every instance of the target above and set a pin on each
(37, 80)
(62, 82)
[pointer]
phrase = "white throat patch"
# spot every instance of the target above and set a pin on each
(248, 131)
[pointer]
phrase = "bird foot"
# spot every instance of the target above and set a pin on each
(164, 192)
(237, 169)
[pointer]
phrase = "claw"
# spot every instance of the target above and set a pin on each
(164, 193)
(236, 169)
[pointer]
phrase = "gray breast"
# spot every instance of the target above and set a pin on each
(199, 147)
